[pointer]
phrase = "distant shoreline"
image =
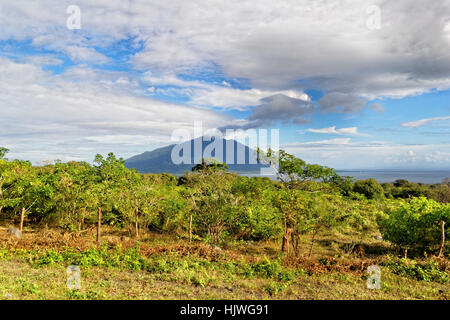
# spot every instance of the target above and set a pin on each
(383, 176)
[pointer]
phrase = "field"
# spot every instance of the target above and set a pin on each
(162, 267)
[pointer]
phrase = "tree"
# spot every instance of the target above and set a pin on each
(401, 183)
(117, 191)
(343, 183)
(172, 203)
(212, 203)
(291, 171)
(416, 223)
(19, 184)
(370, 188)
(388, 187)
(440, 193)
(255, 215)
(316, 213)
(3, 152)
(289, 202)
(409, 190)
(125, 195)
(172, 208)
(76, 193)
(210, 165)
(4, 170)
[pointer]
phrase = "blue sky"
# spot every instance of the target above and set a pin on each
(342, 93)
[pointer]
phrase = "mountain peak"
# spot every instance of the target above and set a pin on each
(238, 157)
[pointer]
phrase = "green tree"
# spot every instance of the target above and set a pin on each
(401, 183)
(76, 194)
(255, 216)
(3, 152)
(210, 166)
(212, 203)
(416, 223)
(19, 183)
(370, 188)
(291, 171)
(117, 191)
(440, 193)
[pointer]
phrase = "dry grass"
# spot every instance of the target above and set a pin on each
(334, 271)
(18, 280)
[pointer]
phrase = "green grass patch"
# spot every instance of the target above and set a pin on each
(427, 270)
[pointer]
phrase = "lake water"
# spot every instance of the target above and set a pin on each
(390, 176)
(429, 177)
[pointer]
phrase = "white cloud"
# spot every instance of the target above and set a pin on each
(215, 95)
(319, 143)
(271, 43)
(45, 117)
(349, 155)
(275, 47)
(423, 122)
(81, 54)
(353, 131)
(238, 99)
(169, 51)
(42, 60)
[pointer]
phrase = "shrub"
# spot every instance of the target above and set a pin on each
(401, 183)
(416, 223)
(410, 190)
(388, 187)
(370, 188)
(428, 270)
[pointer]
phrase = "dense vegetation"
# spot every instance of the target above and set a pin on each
(212, 205)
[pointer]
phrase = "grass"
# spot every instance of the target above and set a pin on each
(161, 267)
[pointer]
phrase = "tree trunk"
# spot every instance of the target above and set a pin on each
(285, 244)
(286, 236)
(22, 216)
(99, 222)
(312, 242)
(441, 249)
(190, 228)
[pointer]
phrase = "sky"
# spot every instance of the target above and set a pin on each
(349, 84)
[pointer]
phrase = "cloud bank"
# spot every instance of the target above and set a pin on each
(138, 69)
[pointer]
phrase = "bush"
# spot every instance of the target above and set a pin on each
(440, 193)
(416, 223)
(388, 187)
(370, 188)
(401, 183)
(410, 190)
(428, 270)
